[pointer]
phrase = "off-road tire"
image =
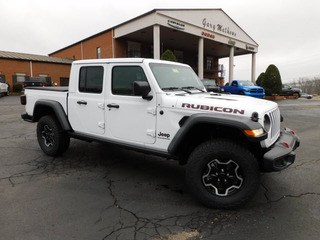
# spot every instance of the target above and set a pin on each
(234, 164)
(51, 138)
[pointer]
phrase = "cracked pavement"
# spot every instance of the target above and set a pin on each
(96, 191)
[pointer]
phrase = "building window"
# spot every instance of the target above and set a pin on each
(98, 53)
(123, 78)
(21, 77)
(134, 49)
(2, 78)
(209, 63)
(91, 79)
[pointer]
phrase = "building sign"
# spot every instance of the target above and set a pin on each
(231, 42)
(175, 24)
(218, 28)
(249, 48)
(209, 35)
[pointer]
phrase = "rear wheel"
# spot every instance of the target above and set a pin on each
(222, 174)
(52, 139)
(297, 95)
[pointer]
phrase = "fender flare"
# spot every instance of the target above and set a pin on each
(225, 121)
(56, 108)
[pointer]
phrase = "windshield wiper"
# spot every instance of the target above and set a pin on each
(176, 88)
(192, 87)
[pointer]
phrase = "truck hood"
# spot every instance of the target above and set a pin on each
(219, 103)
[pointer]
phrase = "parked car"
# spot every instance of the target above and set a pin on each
(211, 85)
(287, 90)
(37, 82)
(4, 88)
(305, 95)
(244, 87)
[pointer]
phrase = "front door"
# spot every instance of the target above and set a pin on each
(129, 118)
(86, 105)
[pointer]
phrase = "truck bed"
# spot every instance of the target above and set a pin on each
(57, 94)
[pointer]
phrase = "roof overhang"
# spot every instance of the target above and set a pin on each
(182, 28)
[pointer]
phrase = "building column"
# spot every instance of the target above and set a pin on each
(231, 64)
(253, 67)
(156, 42)
(200, 57)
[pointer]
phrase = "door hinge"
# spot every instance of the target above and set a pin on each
(151, 133)
(101, 106)
(101, 125)
(152, 111)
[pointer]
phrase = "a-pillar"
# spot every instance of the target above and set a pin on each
(156, 42)
(253, 67)
(231, 64)
(200, 58)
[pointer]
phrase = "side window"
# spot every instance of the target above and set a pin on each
(123, 78)
(91, 79)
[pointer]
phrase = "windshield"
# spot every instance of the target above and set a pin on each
(246, 83)
(173, 77)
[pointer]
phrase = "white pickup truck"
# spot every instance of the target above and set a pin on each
(162, 108)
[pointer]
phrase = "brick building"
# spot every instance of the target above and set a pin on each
(17, 67)
(198, 37)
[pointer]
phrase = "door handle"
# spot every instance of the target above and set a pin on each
(82, 102)
(113, 105)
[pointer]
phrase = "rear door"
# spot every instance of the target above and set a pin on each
(87, 103)
(234, 87)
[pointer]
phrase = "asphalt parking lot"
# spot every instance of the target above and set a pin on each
(96, 191)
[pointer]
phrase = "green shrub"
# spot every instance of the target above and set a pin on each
(17, 87)
(260, 79)
(272, 83)
(169, 56)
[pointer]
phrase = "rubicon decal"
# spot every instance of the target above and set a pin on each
(213, 108)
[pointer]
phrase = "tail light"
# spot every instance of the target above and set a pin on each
(23, 99)
(43, 85)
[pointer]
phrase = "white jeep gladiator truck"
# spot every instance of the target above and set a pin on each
(162, 108)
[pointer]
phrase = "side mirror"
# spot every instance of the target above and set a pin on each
(142, 88)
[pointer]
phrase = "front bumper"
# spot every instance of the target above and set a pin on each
(281, 155)
(256, 95)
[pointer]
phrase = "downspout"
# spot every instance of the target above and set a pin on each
(81, 51)
(112, 43)
(31, 72)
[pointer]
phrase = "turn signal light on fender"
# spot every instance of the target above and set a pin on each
(293, 132)
(286, 144)
(254, 133)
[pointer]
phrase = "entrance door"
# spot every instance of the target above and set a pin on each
(129, 117)
(86, 104)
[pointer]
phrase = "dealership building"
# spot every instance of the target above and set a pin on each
(198, 37)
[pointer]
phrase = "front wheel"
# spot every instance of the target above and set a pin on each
(51, 138)
(222, 174)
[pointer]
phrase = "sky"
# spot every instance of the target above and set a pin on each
(287, 31)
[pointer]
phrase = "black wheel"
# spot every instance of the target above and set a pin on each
(241, 93)
(52, 139)
(222, 174)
